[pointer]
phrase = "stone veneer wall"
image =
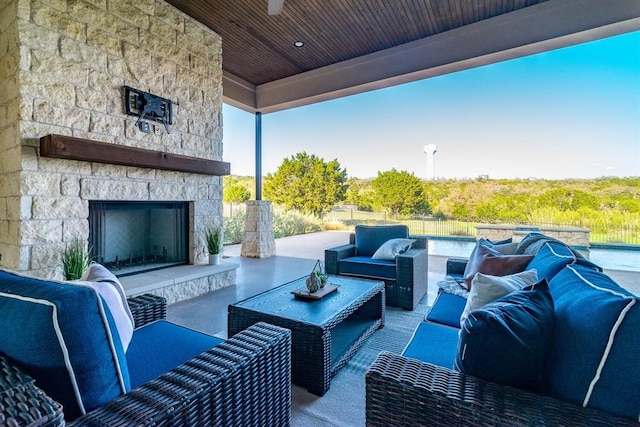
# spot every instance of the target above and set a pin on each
(576, 237)
(63, 66)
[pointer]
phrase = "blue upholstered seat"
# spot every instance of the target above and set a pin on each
(366, 266)
(160, 346)
(446, 309)
(375, 253)
(64, 336)
(441, 350)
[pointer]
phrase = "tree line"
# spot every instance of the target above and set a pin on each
(309, 184)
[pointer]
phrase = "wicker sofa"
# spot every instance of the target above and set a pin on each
(403, 272)
(244, 380)
(589, 377)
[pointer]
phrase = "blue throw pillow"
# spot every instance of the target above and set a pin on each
(595, 357)
(550, 259)
(507, 341)
(65, 338)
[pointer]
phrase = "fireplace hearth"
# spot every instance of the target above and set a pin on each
(134, 237)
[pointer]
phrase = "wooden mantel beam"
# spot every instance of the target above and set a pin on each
(67, 147)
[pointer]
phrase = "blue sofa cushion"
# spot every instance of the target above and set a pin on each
(370, 237)
(433, 343)
(595, 358)
(65, 338)
(508, 341)
(365, 266)
(158, 347)
(550, 259)
(446, 309)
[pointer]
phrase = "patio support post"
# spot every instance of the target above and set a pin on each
(258, 156)
(258, 240)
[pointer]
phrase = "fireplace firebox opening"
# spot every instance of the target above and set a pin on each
(133, 237)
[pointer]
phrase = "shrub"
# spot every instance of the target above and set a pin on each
(234, 227)
(290, 223)
(334, 224)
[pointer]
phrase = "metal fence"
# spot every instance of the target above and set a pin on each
(600, 232)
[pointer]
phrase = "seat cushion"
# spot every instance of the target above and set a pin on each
(507, 341)
(433, 343)
(594, 361)
(364, 266)
(368, 238)
(158, 347)
(65, 338)
(447, 309)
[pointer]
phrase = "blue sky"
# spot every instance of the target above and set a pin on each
(568, 113)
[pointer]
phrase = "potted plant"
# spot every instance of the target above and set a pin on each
(214, 245)
(75, 260)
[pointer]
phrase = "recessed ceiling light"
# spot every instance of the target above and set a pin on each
(298, 43)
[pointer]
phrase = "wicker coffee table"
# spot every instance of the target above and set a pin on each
(325, 333)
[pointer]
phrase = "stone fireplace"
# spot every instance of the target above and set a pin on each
(64, 69)
(134, 237)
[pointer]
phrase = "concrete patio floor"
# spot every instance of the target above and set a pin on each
(295, 257)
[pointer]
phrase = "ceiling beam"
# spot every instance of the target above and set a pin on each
(238, 92)
(539, 28)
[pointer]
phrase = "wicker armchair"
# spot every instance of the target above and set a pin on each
(24, 404)
(242, 381)
(409, 283)
(402, 391)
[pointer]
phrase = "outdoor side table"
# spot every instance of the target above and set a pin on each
(325, 333)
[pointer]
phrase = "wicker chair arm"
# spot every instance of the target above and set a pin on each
(456, 266)
(147, 308)
(403, 391)
(412, 270)
(24, 404)
(415, 250)
(243, 381)
(420, 242)
(332, 257)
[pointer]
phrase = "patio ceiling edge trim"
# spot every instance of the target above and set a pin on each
(238, 92)
(543, 27)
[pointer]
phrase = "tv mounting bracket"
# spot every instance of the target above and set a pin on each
(146, 106)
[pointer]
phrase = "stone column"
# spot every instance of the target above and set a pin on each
(258, 241)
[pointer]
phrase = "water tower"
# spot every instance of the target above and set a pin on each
(430, 150)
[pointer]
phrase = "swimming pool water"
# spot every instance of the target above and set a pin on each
(612, 259)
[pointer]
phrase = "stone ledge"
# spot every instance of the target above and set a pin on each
(181, 282)
(576, 237)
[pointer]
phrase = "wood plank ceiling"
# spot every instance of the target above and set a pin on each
(259, 48)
